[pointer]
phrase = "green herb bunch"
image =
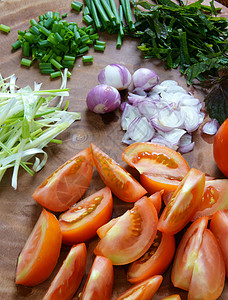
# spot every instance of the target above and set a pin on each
(191, 37)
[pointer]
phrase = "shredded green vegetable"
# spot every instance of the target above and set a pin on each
(28, 123)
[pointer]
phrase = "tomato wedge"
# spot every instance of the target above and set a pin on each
(81, 221)
(69, 276)
(121, 183)
(41, 251)
(184, 203)
(219, 227)
(156, 199)
(67, 184)
(199, 265)
(187, 252)
(99, 282)
(144, 290)
(131, 235)
(215, 198)
(155, 261)
(160, 167)
(172, 297)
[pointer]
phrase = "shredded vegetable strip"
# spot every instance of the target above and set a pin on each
(28, 124)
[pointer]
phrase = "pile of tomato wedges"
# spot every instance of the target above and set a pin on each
(169, 198)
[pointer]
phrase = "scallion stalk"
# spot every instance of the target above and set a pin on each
(4, 28)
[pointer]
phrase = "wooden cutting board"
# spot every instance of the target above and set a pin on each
(18, 211)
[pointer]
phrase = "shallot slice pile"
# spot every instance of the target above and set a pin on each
(167, 115)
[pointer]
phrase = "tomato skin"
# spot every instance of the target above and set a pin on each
(159, 166)
(67, 184)
(131, 235)
(199, 265)
(39, 256)
(69, 276)
(157, 263)
(156, 199)
(99, 282)
(219, 227)
(220, 147)
(215, 198)
(144, 290)
(184, 203)
(98, 211)
(121, 183)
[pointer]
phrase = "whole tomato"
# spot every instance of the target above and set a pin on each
(220, 148)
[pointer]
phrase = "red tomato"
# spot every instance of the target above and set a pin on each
(157, 200)
(184, 203)
(160, 167)
(121, 183)
(215, 198)
(100, 280)
(69, 276)
(144, 290)
(67, 184)
(219, 226)
(131, 235)
(41, 251)
(198, 265)
(220, 147)
(172, 297)
(155, 261)
(81, 221)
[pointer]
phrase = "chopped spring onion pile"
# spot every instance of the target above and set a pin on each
(28, 124)
(54, 42)
(166, 115)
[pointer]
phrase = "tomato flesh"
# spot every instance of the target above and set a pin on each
(121, 183)
(131, 235)
(81, 221)
(159, 166)
(184, 203)
(41, 251)
(219, 227)
(69, 276)
(220, 147)
(155, 261)
(99, 282)
(144, 290)
(215, 198)
(67, 184)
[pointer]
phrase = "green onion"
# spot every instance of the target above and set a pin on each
(102, 43)
(76, 5)
(108, 10)
(56, 64)
(4, 28)
(26, 48)
(87, 19)
(28, 124)
(95, 16)
(87, 59)
(99, 48)
(26, 62)
(55, 74)
(16, 45)
(86, 11)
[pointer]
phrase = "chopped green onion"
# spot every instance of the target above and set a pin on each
(26, 62)
(56, 64)
(76, 5)
(55, 74)
(108, 10)
(102, 43)
(87, 19)
(99, 48)
(87, 59)
(16, 45)
(86, 11)
(4, 28)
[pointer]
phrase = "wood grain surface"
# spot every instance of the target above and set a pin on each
(18, 211)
